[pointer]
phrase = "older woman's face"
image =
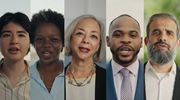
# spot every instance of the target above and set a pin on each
(85, 40)
(14, 42)
(48, 42)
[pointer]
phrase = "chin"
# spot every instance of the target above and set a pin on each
(124, 60)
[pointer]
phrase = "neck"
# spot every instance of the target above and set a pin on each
(81, 66)
(162, 68)
(14, 69)
(49, 68)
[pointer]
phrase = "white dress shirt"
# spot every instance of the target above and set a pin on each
(159, 86)
(117, 76)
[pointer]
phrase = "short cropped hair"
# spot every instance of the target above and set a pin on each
(18, 18)
(48, 16)
(123, 16)
(162, 15)
(98, 56)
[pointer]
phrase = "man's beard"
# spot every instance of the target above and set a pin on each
(125, 61)
(160, 56)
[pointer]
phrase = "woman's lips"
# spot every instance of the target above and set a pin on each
(46, 55)
(13, 50)
(83, 49)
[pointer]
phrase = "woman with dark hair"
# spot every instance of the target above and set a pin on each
(47, 74)
(85, 42)
(14, 45)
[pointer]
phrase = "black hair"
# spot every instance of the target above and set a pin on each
(48, 16)
(18, 18)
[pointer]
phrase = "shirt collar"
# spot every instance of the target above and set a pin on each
(28, 69)
(35, 73)
(149, 67)
(117, 67)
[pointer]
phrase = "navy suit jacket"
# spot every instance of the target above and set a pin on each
(110, 88)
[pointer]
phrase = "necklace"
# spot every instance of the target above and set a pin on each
(48, 84)
(80, 84)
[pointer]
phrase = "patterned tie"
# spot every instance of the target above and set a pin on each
(126, 88)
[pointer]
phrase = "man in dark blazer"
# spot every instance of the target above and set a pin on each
(125, 42)
(162, 74)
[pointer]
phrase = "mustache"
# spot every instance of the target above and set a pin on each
(125, 46)
(160, 42)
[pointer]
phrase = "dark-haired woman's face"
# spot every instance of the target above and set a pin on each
(14, 42)
(48, 43)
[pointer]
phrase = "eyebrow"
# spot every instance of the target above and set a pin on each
(5, 32)
(156, 30)
(134, 31)
(118, 31)
(169, 30)
(129, 31)
(11, 32)
(22, 32)
(84, 30)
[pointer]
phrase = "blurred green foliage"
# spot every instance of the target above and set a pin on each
(161, 6)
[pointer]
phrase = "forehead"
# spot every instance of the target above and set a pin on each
(163, 23)
(47, 28)
(88, 22)
(125, 23)
(12, 25)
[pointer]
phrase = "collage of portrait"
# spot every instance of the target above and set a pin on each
(89, 50)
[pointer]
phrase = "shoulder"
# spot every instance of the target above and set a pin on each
(100, 68)
(178, 68)
(33, 69)
(108, 65)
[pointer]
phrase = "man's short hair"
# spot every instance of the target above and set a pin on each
(123, 16)
(162, 15)
(48, 16)
(98, 56)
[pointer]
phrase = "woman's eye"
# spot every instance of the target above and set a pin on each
(79, 33)
(94, 36)
(39, 39)
(6, 35)
(21, 35)
(55, 39)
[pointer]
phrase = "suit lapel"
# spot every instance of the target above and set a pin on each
(110, 89)
(176, 92)
(140, 83)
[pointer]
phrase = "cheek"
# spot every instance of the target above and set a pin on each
(3, 44)
(26, 46)
(114, 43)
(57, 47)
(95, 44)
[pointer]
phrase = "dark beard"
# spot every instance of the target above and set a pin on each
(160, 57)
(122, 61)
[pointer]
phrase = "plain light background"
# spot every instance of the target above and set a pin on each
(134, 8)
(75, 8)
